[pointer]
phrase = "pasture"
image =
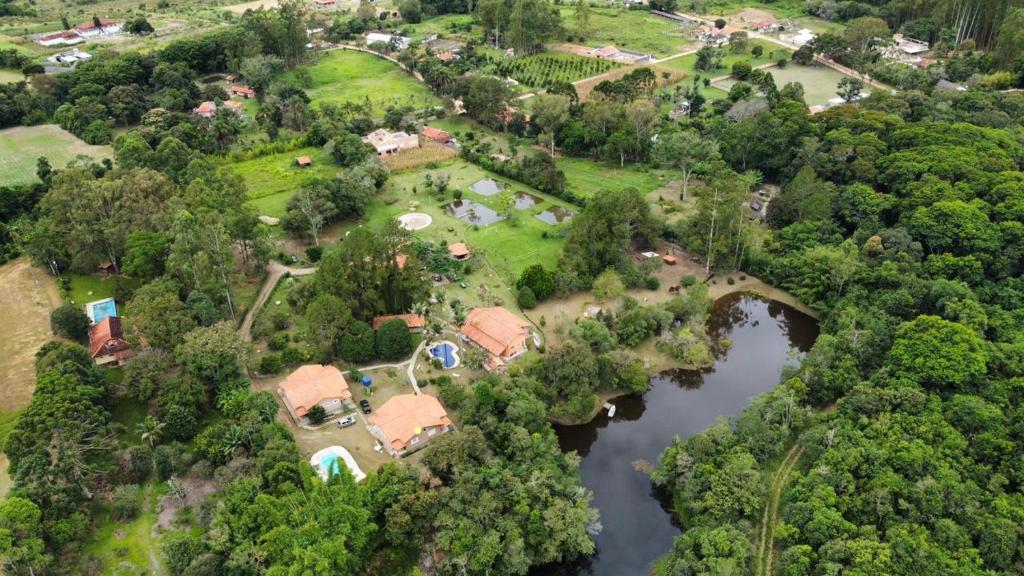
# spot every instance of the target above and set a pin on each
(28, 297)
(635, 30)
(21, 147)
(508, 246)
(820, 83)
(547, 69)
(587, 177)
(271, 180)
(771, 53)
(348, 76)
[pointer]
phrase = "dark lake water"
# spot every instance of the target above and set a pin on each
(638, 525)
(555, 215)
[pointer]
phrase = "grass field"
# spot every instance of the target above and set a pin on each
(21, 147)
(85, 289)
(508, 248)
(271, 180)
(772, 52)
(129, 547)
(544, 70)
(26, 300)
(586, 177)
(630, 29)
(348, 76)
(7, 75)
(443, 26)
(820, 84)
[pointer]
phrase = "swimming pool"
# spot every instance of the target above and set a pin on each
(100, 309)
(446, 352)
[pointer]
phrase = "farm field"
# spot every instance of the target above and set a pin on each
(21, 147)
(587, 177)
(547, 69)
(271, 180)
(443, 26)
(348, 76)
(772, 52)
(820, 83)
(28, 297)
(7, 75)
(508, 247)
(635, 30)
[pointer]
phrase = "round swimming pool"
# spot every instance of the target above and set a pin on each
(447, 352)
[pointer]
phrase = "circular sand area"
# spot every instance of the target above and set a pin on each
(415, 221)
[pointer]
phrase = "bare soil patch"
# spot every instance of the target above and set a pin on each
(27, 298)
(749, 17)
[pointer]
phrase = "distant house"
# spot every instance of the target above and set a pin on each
(605, 52)
(387, 143)
(325, 4)
(393, 40)
(304, 161)
(415, 322)
(236, 107)
(910, 46)
(803, 36)
(447, 56)
(243, 91)
(205, 109)
(408, 422)
(90, 29)
(669, 259)
(498, 331)
(436, 135)
(458, 251)
(107, 345)
(62, 38)
(315, 385)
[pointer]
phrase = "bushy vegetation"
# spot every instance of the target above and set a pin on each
(549, 70)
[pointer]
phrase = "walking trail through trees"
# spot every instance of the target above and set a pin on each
(766, 539)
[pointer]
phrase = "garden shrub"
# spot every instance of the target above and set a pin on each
(526, 299)
(270, 364)
(278, 341)
(69, 322)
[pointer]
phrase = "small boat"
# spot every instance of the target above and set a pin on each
(610, 408)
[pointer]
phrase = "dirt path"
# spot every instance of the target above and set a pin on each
(275, 271)
(766, 537)
(27, 298)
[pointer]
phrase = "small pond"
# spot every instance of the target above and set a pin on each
(638, 527)
(525, 200)
(556, 215)
(487, 187)
(472, 212)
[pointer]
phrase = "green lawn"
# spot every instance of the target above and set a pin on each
(21, 147)
(508, 248)
(772, 52)
(347, 76)
(635, 30)
(85, 289)
(10, 76)
(271, 180)
(444, 26)
(586, 177)
(131, 543)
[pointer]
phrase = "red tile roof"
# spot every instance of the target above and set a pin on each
(406, 416)
(311, 384)
(413, 321)
(496, 330)
(303, 160)
(106, 338)
(435, 134)
(458, 250)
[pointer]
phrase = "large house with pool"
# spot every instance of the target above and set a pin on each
(498, 331)
(315, 385)
(408, 422)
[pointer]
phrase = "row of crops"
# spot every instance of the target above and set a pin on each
(546, 70)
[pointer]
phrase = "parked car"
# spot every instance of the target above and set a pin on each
(365, 405)
(347, 421)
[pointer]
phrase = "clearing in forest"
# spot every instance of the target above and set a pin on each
(350, 76)
(21, 147)
(25, 303)
(766, 534)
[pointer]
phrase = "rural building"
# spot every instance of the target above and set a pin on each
(62, 38)
(500, 332)
(669, 259)
(90, 29)
(458, 251)
(236, 107)
(415, 322)
(71, 58)
(107, 345)
(393, 40)
(803, 36)
(304, 161)
(436, 135)
(205, 109)
(387, 143)
(325, 4)
(243, 91)
(312, 385)
(408, 422)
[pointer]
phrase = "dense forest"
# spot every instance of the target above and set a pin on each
(901, 224)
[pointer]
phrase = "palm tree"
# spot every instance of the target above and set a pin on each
(150, 429)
